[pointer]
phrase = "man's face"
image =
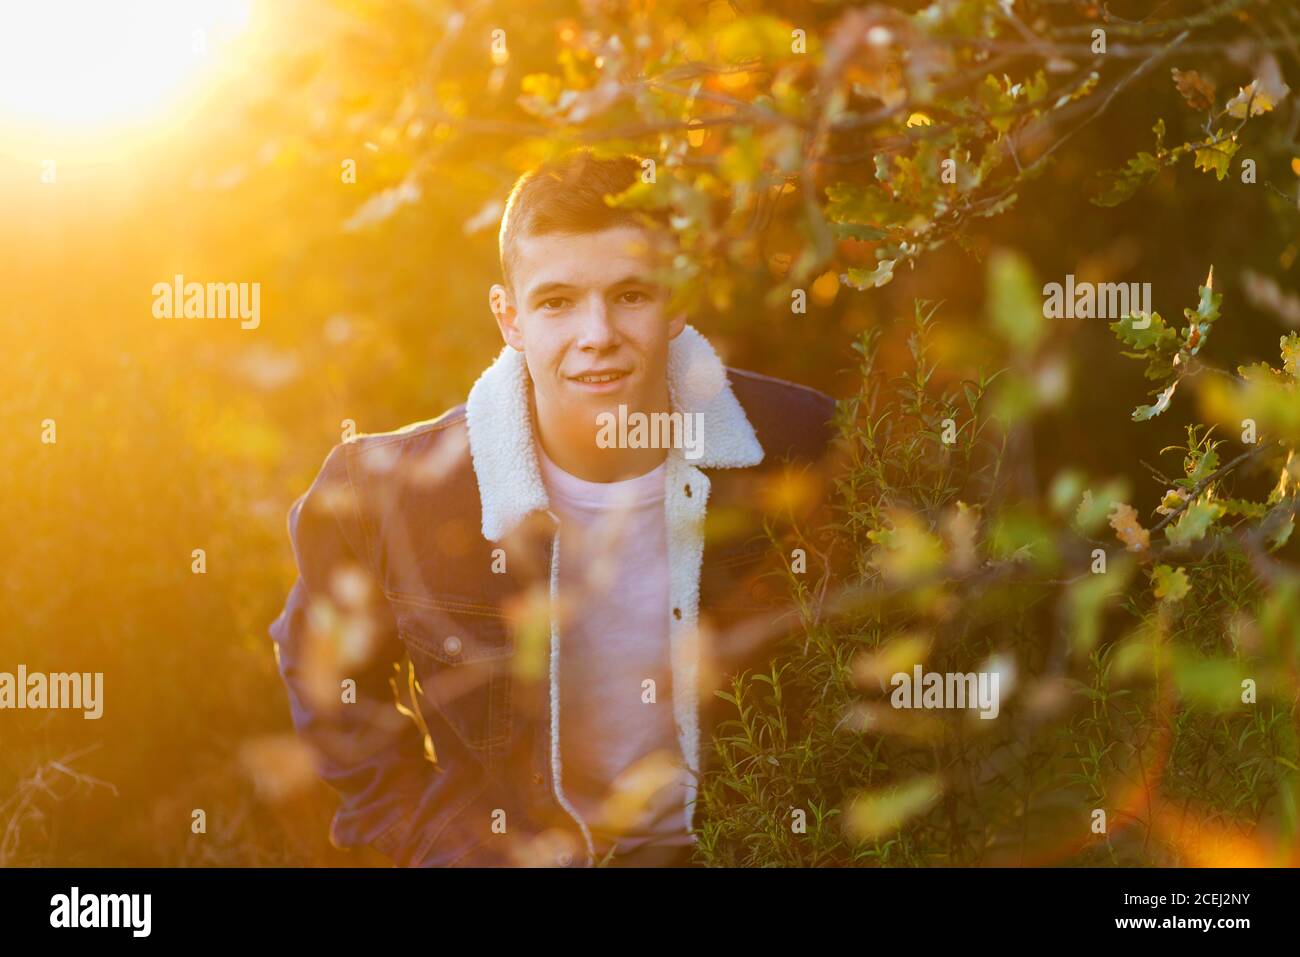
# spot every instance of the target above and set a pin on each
(591, 322)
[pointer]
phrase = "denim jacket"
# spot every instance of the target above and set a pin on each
(427, 563)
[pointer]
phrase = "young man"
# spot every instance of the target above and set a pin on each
(540, 557)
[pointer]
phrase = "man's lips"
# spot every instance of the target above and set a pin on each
(600, 377)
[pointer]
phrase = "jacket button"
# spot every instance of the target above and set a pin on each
(451, 645)
(688, 491)
(564, 858)
(537, 778)
(677, 613)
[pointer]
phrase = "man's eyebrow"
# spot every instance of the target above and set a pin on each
(549, 287)
(635, 279)
(632, 279)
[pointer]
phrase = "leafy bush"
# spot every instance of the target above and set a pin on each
(1151, 682)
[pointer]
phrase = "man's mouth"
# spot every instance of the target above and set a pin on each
(600, 378)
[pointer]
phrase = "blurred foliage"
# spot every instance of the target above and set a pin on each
(1162, 697)
(825, 165)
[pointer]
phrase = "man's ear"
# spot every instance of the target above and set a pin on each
(503, 308)
(676, 323)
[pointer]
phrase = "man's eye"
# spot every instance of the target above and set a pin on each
(556, 303)
(636, 296)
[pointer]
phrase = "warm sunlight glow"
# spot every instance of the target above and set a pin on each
(90, 63)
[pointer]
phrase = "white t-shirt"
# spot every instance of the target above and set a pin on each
(621, 761)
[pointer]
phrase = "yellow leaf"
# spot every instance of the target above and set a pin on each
(1253, 96)
(873, 669)
(789, 490)
(1171, 583)
(734, 81)
(825, 288)
(1215, 159)
(907, 551)
(542, 85)
(1124, 519)
(878, 813)
(1172, 502)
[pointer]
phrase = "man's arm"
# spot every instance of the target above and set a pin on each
(337, 625)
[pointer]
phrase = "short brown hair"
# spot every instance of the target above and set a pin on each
(567, 195)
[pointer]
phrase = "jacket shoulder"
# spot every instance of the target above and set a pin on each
(384, 450)
(371, 458)
(372, 476)
(791, 420)
(427, 430)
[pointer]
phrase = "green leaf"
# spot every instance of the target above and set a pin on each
(1066, 489)
(1145, 332)
(1217, 158)
(1088, 599)
(1239, 506)
(1119, 186)
(1092, 511)
(1193, 523)
(1015, 302)
(1210, 683)
(856, 203)
(1171, 583)
(1198, 465)
(1144, 412)
(1291, 354)
(1019, 534)
(860, 278)
(1207, 308)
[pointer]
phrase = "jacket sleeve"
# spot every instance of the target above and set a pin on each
(337, 625)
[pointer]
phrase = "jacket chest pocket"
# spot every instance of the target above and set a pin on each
(463, 655)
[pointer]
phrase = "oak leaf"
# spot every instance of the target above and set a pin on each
(1124, 519)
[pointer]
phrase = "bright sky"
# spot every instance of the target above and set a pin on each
(77, 66)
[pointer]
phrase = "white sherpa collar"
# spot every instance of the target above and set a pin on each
(498, 418)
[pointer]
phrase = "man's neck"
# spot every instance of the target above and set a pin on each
(572, 446)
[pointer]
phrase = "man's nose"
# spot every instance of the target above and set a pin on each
(597, 331)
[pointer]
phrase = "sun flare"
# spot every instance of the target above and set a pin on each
(82, 64)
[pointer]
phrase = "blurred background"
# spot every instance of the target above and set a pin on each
(352, 157)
